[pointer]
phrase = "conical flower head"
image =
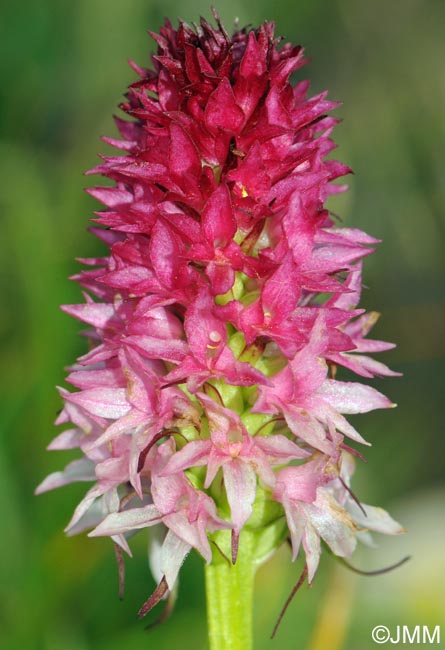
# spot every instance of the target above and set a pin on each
(210, 382)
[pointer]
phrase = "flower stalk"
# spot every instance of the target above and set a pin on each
(229, 597)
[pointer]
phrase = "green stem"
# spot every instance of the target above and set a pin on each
(229, 591)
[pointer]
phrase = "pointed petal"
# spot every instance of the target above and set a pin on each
(77, 470)
(330, 417)
(295, 521)
(183, 156)
(308, 429)
(240, 486)
(194, 454)
(153, 347)
(333, 524)
(218, 221)
(173, 553)
(124, 424)
(127, 520)
(352, 397)
(363, 365)
(190, 532)
(279, 449)
(99, 315)
(311, 545)
(69, 439)
(83, 509)
(222, 111)
(376, 519)
(261, 466)
(104, 402)
(298, 483)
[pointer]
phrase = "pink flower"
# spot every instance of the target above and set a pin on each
(318, 507)
(357, 329)
(209, 356)
(210, 378)
(313, 404)
(188, 514)
(239, 455)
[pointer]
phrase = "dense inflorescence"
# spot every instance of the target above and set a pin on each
(208, 401)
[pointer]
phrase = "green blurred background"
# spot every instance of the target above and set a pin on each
(63, 71)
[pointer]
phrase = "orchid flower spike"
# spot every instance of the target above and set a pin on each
(207, 408)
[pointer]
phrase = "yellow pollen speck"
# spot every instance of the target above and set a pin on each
(244, 192)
